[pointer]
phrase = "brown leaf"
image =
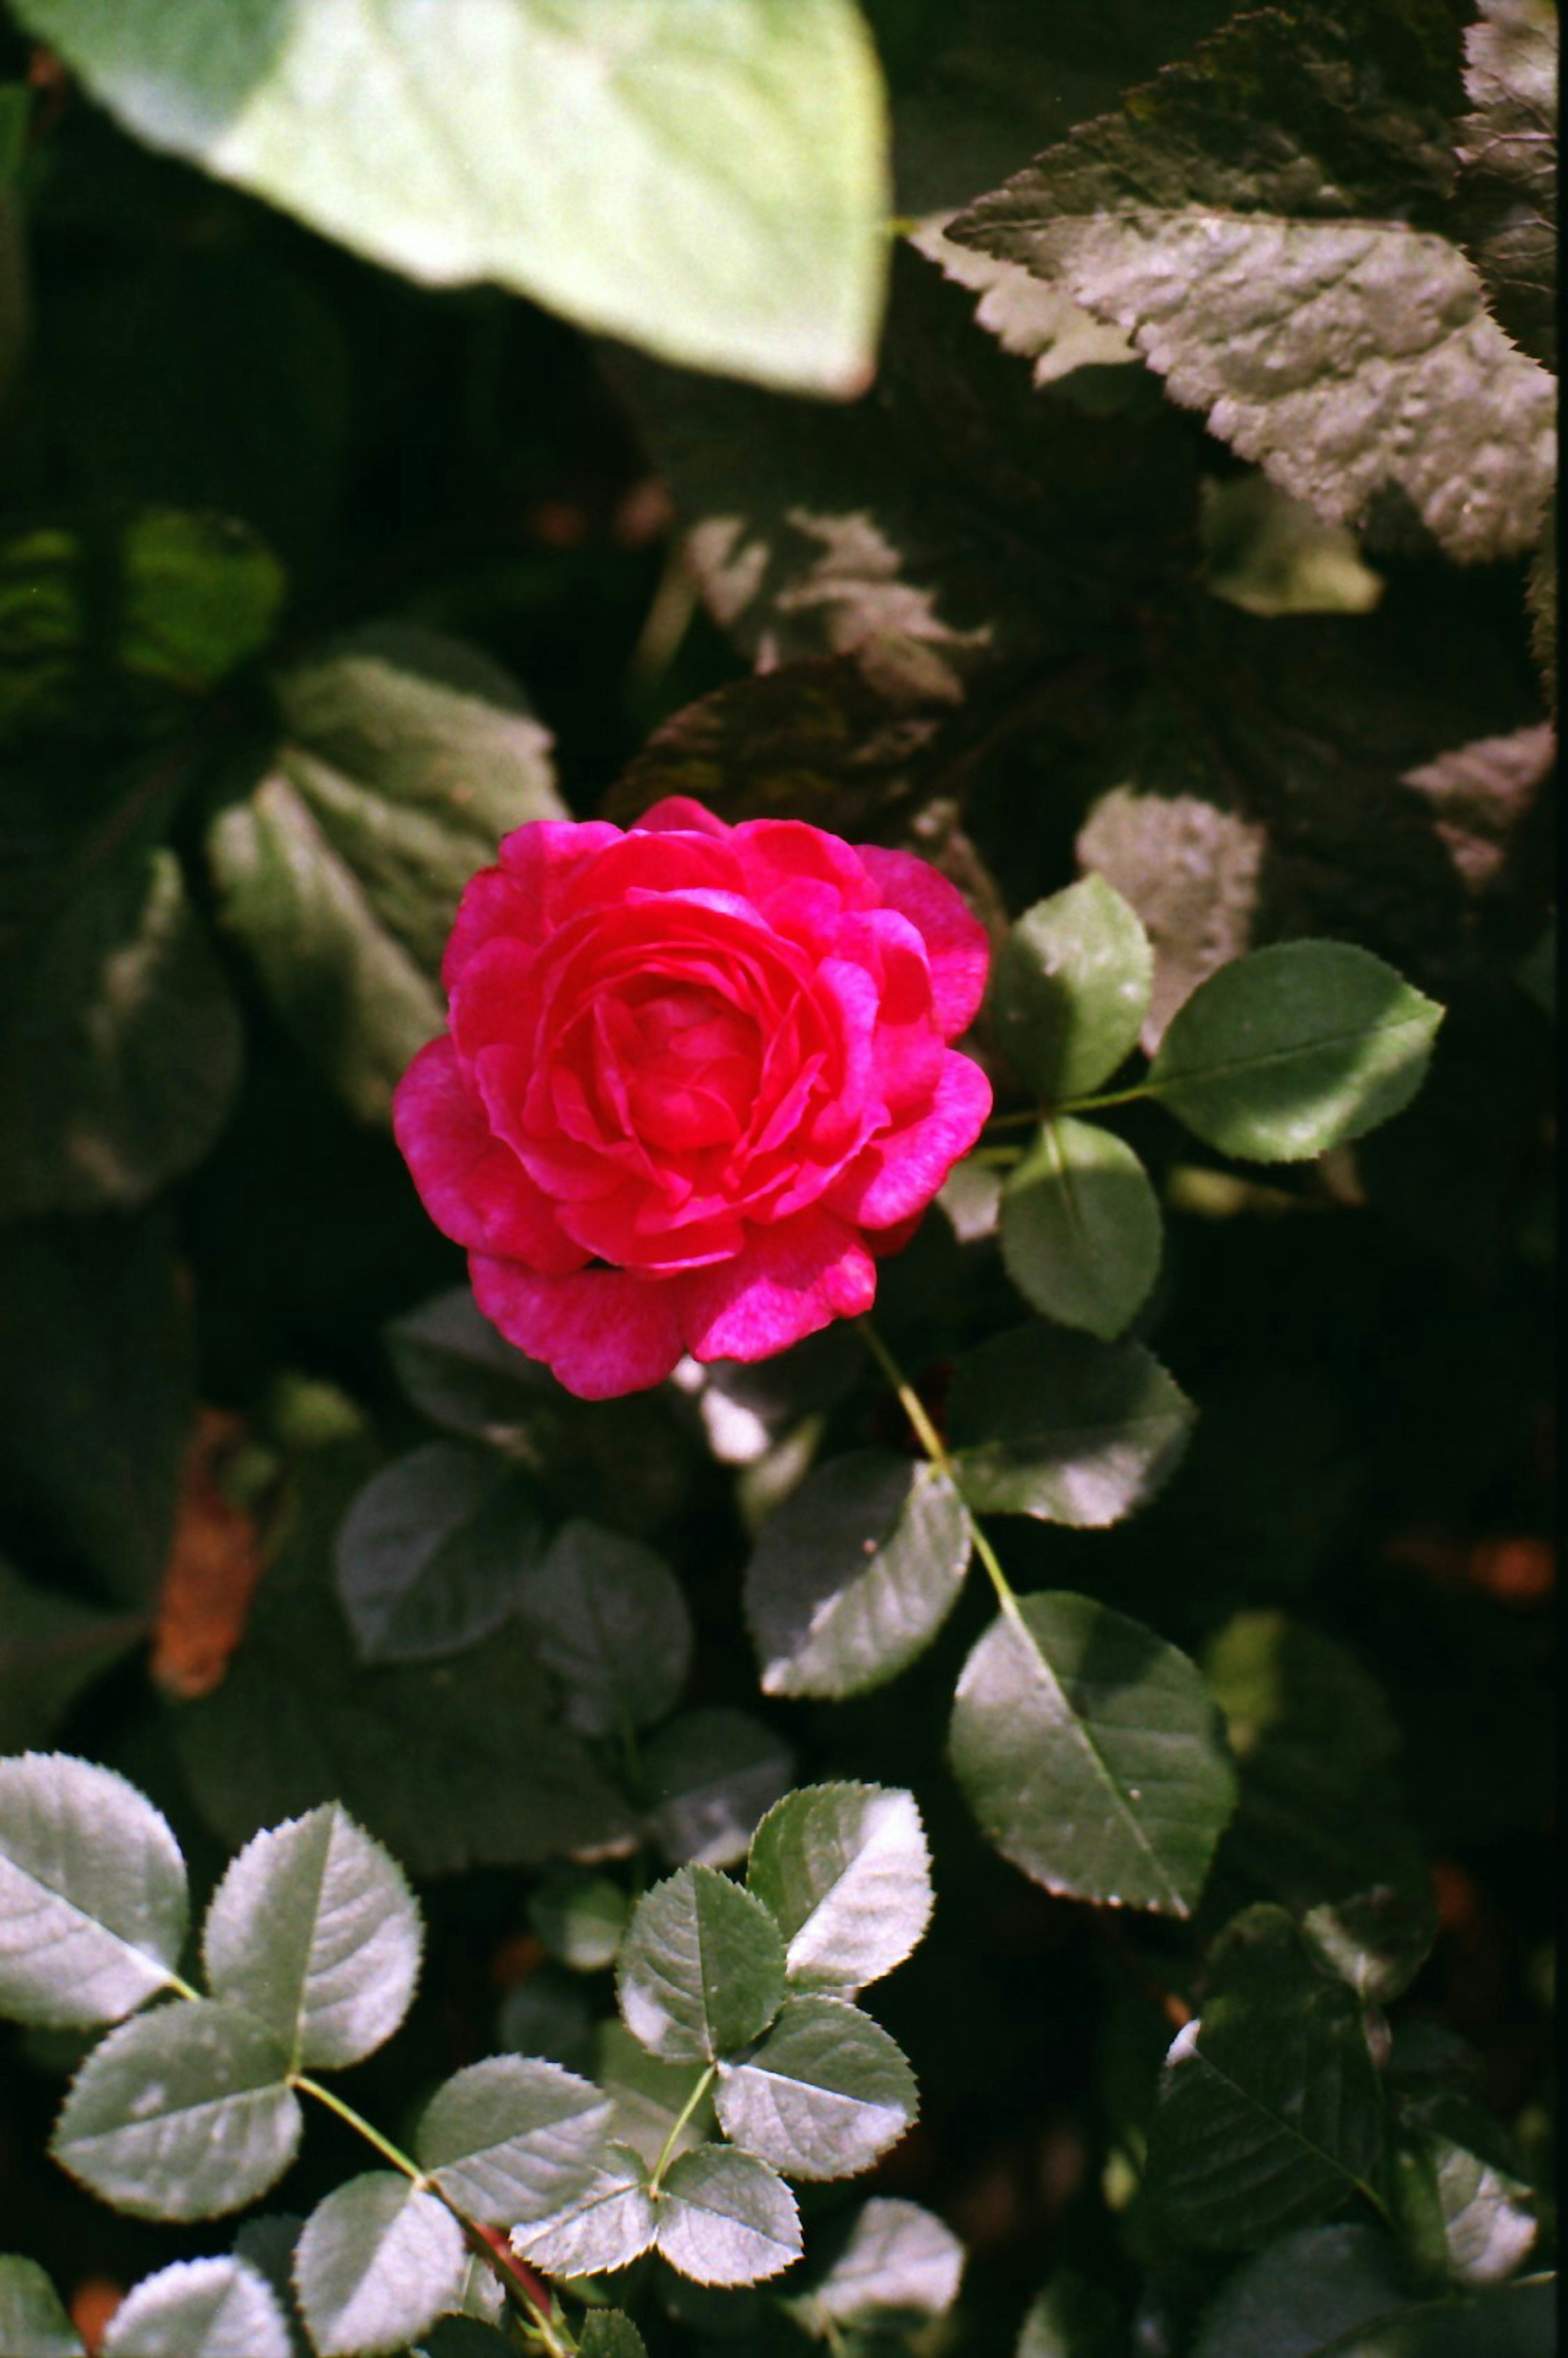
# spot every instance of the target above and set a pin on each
(214, 1562)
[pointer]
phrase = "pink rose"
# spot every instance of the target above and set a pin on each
(697, 1075)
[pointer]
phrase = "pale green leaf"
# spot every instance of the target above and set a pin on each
(378, 2262)
(1295, 1049)
(1080, 1227)
(898, 2264)
(94, 1904)
(612, 1624)
(199, 2308)
(826, 2092)
(854, 1573)
(432, 1554)
(512, 2138)
(1070, 989)
(607, 2226)
(845, 1871)
(182, 2113)
(726, 2218)
(708, 1778)
(33, 2323)
(1092, 1753)
(315, 1932)
(709, 181)
(1064, 1427)
(702, 1967)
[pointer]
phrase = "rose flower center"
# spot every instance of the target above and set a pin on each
(690, 1065)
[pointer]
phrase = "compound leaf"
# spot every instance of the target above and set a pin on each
(826, 2092)
(607, 2226)
(702, 1967)
(845, 1872)
(725, 2218)
(512, 2138)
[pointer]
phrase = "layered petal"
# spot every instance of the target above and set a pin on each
(474, 1189)
(956, 941)
(601, 1332)
(787, 1282)
(898, 1173)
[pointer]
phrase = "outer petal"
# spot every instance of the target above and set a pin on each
(603, 1333)
(544, 856)
(679, 814)
(790, 1281)
(474, 1189)
(492, 903)
(956, 941)
(898, 1173)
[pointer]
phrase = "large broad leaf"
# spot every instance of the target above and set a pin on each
(726, 2218)
(1247, 220)
(607, 2224)
(33, 2323)
(708, 1777)
(183, 2114)
(826, 2092)
(512, 2138)
(709, 182)
(1092, 1753)
(314, 1931)
(610, 1622)
(855, 1573)
(702, 1967)
(1295, 1049)
(846, 1872)
(1343, 2292)
(378, 2262)
(1070, 989)
(1270, 2112)
(1509, 145)
(897, 2266)
(199, 2308)
(51, 1648)
(1080, 1227)
(93, 1895)
(1064, 1427)
(432, 1553)
(403, 759)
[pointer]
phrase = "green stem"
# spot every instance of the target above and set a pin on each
(936, 1450)
(1029, 1120)
(686, 2110)
(334, 2104)
(183, 1989)
(1134, 1096)
(997, 1156)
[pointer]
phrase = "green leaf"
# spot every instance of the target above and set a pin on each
(119, 1045)
(1378, 1941)
(269, 2245)
(845, 1872)
(580, 1917)
(378, 2262)
(1270, 2110)
(606, 2225)
(709, 1776)
(702, 1968)
(1508, 148)
(725, 2218)
(1071, 2318)
(1340, 2292)
(1484, 2207)
(606, 2333)
(183, 2114)
(1064, 1427)
(1070, 989)
(199, 2308)
(1295, 1049)
(404, 757)
(315, 1932)
(855, 1573)
(826, 2092)
(1080, 1227)
(50, 1648)
(647, 2097)
(33, 2323)
(1370, 364)
(94, 1904)
(512, 2138)
(612, 1624)
(713, 186)
(432, 1553)
(897, 2266)
(1092, 1753)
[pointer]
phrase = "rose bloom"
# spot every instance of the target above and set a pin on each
(696, 1077)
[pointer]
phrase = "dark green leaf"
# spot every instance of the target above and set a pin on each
(315, 1932)
(606, 2333)
(403, 759)
(580, 1917)
(1508, 147)
(1072, 2318)
(702, 1968)
(378, 2262)
(612, 1624)
(1064, 1427)
(726, 2218)
(1485, 2213)
(50, 1648)
(1295, 1049)
(222, 2125)
(1341, 2292)
(1092, 1755)
(709, 1776)
(512, 2138)
(845, 1871)
(1270, 2112)
(826, 2092)
(434, 1552)
(1378, 1941)
(92, 1894)
(1070, 989)
(897, 2266)
(855, 1573)
(606, 2225)
(33, 2323)
(199, 2308)
(1080, 1227)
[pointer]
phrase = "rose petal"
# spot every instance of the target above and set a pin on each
(491, 905)
(898, 1173)
(544, 856)
(788, 1281)
(474, 1189)
(956, 941)
(603, 1333)
(679, 814)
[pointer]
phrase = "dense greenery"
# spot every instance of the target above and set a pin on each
(1018, 1828)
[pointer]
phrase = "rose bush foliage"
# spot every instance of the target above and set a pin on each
(696, 1077)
